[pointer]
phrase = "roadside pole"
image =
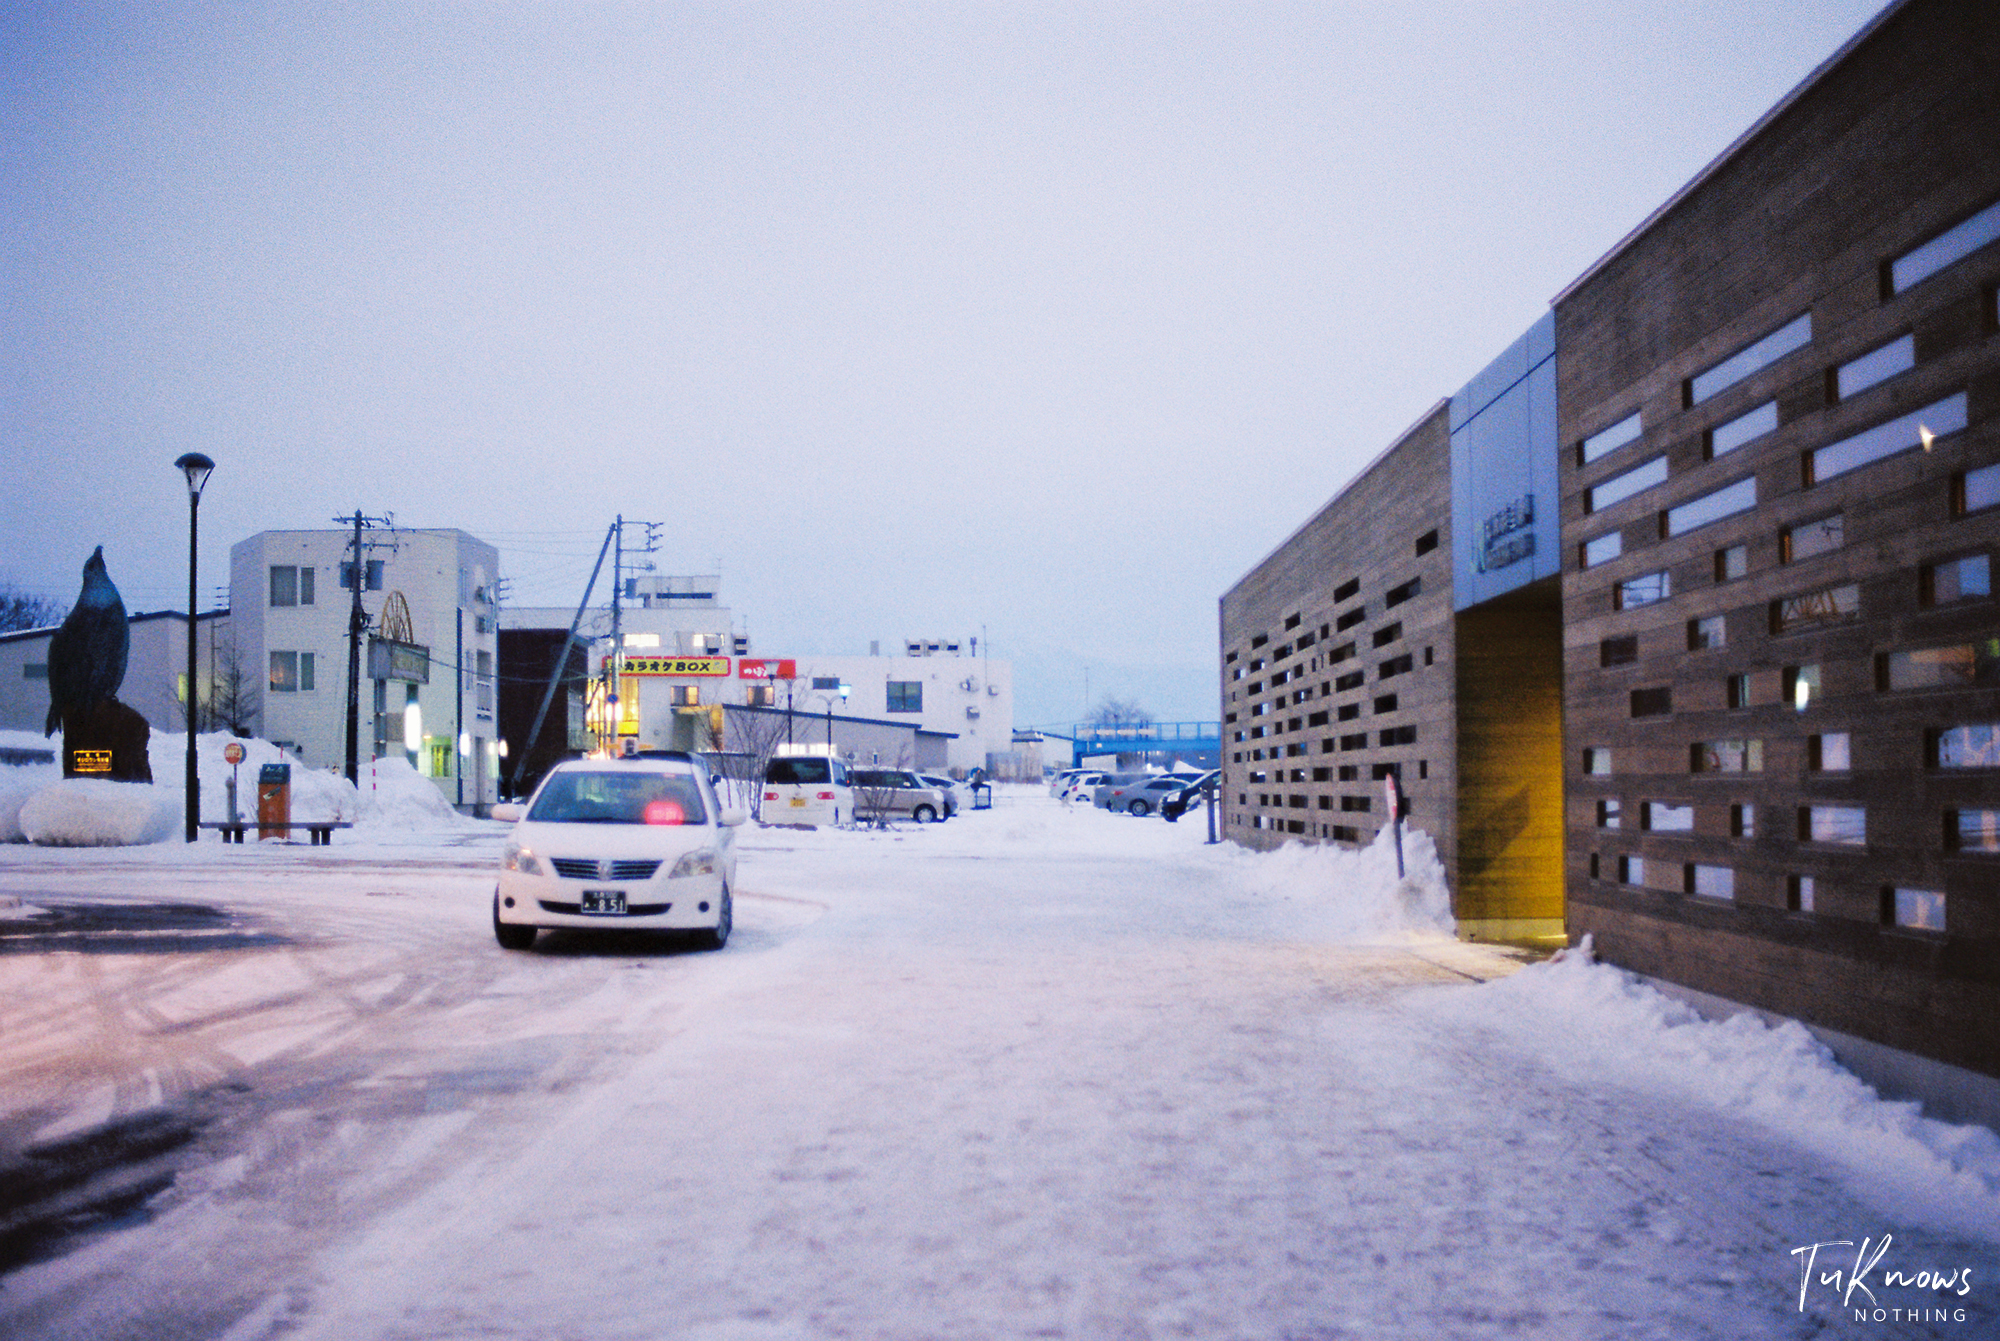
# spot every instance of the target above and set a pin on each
(1395, 798)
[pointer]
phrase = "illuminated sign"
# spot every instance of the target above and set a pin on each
(679, 667)
(91, 761)
(787, 669)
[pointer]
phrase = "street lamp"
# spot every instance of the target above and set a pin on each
(196, 467)
(843, 691)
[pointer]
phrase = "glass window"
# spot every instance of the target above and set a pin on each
(1743, 820)
(1973, 830)
(1904, 433)
(1607, 546)
(1803, 540)
(623, 797)
(1917, 909)
(372, 575)
(1845, 825)
(1724, 502)
(1727, 756)
(1829, 752)
(284, 584)
(1597, 762)
(1960, 666)
(1954, 244)
(906, 696)
(1621, 487)
(1644, 590)
(1977, 489)
(1800, 892)
(1618, 651)
(1710, 631)
(687, 695)
(1743, 428)
(1830, 605)
(1609, 440)
(291, 672)
(1732, 563)
(1792, 335)
(1877, 365)
(1632, 870)
(1967, 579)
(1801, 686)
(1713, 882)
(1974, 746)
(1654, 702)
(1659, 817)
(1607, 813)
(1737, 690)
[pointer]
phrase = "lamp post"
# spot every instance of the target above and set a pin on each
(197, 468)
(843, 691)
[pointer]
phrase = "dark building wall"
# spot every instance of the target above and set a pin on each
(1313, 653)
(527, 656)
(1811, 882)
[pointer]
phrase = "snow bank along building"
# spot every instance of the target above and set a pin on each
(1677, 623)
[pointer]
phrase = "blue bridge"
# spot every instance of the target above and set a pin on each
(1093, 738)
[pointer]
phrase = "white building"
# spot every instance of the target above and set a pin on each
(432, 643)
(944, 687)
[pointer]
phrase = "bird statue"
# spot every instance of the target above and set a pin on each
(87, 654)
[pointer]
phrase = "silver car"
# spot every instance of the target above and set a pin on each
(895, 793)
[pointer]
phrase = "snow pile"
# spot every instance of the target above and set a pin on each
(396, 796)
(17, 784)
(1351, 894)
(96, 812)
(1595, 1023)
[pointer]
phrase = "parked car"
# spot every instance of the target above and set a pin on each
(1061, 781)
(807, 789)
(955, 797)
(888, 793)
(1100, 795)
(631, 844)
(1144, 796)
(1178, 803)
(1080, 786)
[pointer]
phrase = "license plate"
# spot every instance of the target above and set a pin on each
(799, 802)
(604, 900)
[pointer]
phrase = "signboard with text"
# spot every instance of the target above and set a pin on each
(787, 669)
(678, 667)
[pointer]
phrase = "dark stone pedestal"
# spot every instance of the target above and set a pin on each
(107, 740)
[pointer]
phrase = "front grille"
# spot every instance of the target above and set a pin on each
(583, 868)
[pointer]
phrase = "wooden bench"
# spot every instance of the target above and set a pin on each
(318, 832)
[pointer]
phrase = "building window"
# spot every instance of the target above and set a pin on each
(1597, 762)
(1399, 735)
(1726, 756)
(1731, 563)
(1645, 589)
(374, 579)
(35, 670)
(1350, 619)
(1383, 637)
(291, 585)
(1743, 820)
(1711, 507)
(686, 695)
(906, 696)
(1386, 703)
(1427, 542)
(1961, 666)
(1396, 666)
(1660, 817)
(1707, 633)
(1727, 437)
(1631, 870)
(1954, 244)
(1357, 804)
(1736, 691)
(1606, 547)
(1618, 651)
(1349, 711)
(1346, 590)
(1794, 334)
(1966, 746)
(1351, 680)
(1876, 366)
(1913, 909)
(1801, 686)
(1843, 825)
(1972, 831)
(1354, 742)
(1975, 489)
(1800, 891)
(1710, 882)
(1608, 813)
(1608, 440)
(291, 672)
(1653, 702)
(1621, 487)
(1340, 654)
(1803, 540)
(1967, 579)
(1901, 434)
(1829, 752)
(1814, 609)
(1409, 591)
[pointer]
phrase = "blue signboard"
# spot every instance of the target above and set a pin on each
(1503, 472)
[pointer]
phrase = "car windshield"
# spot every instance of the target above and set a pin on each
(798, 772)
(619, 798)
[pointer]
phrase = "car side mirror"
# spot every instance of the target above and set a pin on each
(506, 812)
(733, 816)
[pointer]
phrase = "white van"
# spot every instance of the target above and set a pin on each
(807, 789)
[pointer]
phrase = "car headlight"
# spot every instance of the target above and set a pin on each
(701, 862)
(520, 859)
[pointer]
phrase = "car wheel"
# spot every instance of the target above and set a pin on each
(1138, 808)
(725, 921)
(923, 814)
(510, 935)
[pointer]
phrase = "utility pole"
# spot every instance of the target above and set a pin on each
(357, 624)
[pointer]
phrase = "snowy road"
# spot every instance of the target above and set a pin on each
(1034, 1073)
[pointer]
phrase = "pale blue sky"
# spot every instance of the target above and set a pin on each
(921, 319)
